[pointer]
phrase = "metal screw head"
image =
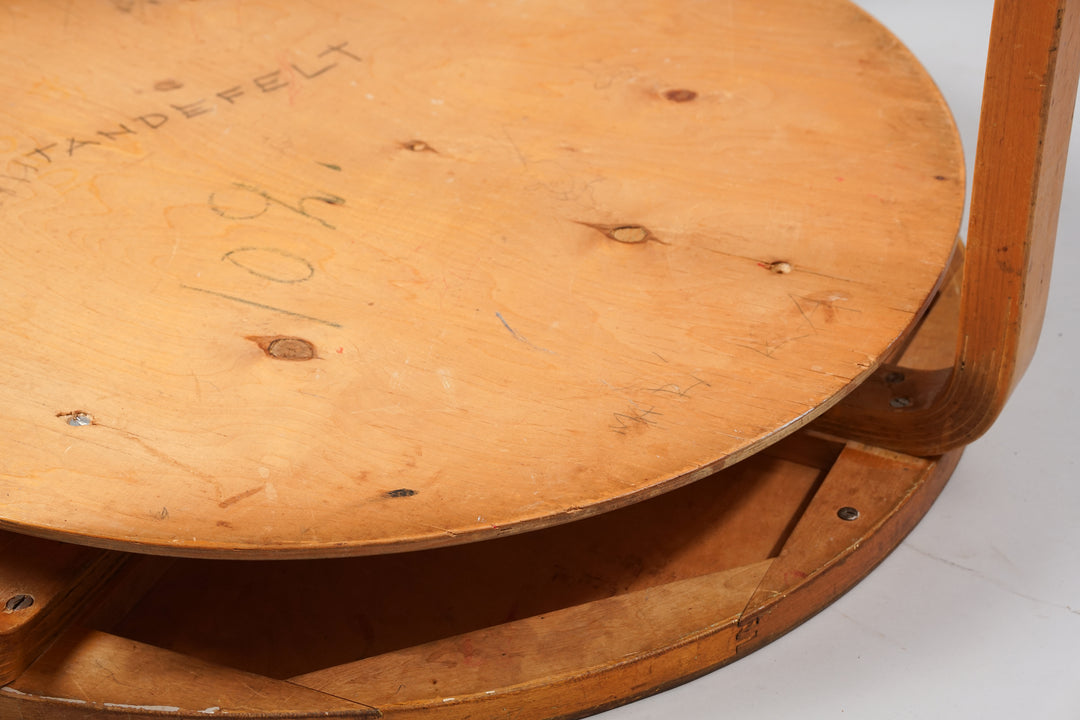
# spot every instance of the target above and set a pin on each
(894, 377)
(80, 419)
(19, 602)
(900, 402)
(847, 513)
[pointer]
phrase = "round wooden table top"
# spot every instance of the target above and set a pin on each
(286, 279)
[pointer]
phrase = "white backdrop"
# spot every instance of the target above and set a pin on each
(977, 613)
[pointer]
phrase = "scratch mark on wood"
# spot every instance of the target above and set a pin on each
(521, 157)
(674, 389)
(168, 84)
(168, 459)
(771, 348)
(227, 502)
(261, 305)
(519, 337)
(825, 301)
(144, 708)
(803, 312)
(633, 417)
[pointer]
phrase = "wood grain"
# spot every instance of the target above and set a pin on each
(93, 675)
(314, 279)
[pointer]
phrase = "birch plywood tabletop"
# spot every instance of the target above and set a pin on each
(330, 278)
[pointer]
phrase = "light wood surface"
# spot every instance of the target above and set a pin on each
(307, 279)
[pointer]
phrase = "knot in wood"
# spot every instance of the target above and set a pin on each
(680, 95)
(290, 348)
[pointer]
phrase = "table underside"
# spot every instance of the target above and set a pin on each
(339, 278)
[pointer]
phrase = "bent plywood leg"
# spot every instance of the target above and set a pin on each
(1028, 102)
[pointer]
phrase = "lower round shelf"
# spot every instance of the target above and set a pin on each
(557, 623)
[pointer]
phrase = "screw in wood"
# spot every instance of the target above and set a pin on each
(80, 419)
(900, 402)
(19, 602)
(847, 513)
